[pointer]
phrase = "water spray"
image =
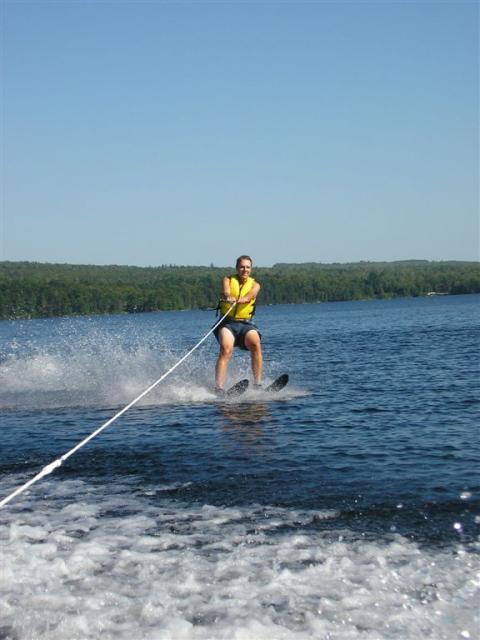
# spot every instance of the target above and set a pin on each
(59, 461)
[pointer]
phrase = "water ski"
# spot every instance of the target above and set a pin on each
(241, 386)
(237, 389)
(279, 383)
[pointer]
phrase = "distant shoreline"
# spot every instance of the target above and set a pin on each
(43, 290)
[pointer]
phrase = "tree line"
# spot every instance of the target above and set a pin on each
(35, 290)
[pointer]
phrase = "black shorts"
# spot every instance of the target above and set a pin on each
(239, 330)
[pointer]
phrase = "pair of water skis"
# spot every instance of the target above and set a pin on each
(240, 387)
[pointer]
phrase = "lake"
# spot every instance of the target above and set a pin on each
(346, 506)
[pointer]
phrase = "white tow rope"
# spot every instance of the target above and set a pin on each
(57, 463)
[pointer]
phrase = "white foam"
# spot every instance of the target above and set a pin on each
(205, 572)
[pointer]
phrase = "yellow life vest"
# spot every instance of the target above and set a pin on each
(240, 311)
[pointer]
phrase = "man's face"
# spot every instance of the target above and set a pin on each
(244, 269)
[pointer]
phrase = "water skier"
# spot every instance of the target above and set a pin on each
(238, 330)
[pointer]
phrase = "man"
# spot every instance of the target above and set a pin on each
(237, 330)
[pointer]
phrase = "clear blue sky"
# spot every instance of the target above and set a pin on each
(155, 133)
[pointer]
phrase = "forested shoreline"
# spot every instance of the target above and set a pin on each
(36, 290)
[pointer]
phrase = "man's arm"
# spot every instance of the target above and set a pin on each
(253, 293)
(226, 293)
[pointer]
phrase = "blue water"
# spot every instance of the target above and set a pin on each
(370, 455)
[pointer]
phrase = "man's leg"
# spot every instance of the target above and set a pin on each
(254, 345)
(227, 342)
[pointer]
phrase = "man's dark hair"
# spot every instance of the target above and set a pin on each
(240, 258)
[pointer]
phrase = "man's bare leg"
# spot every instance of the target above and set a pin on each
(254, 345)
(227, 342)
